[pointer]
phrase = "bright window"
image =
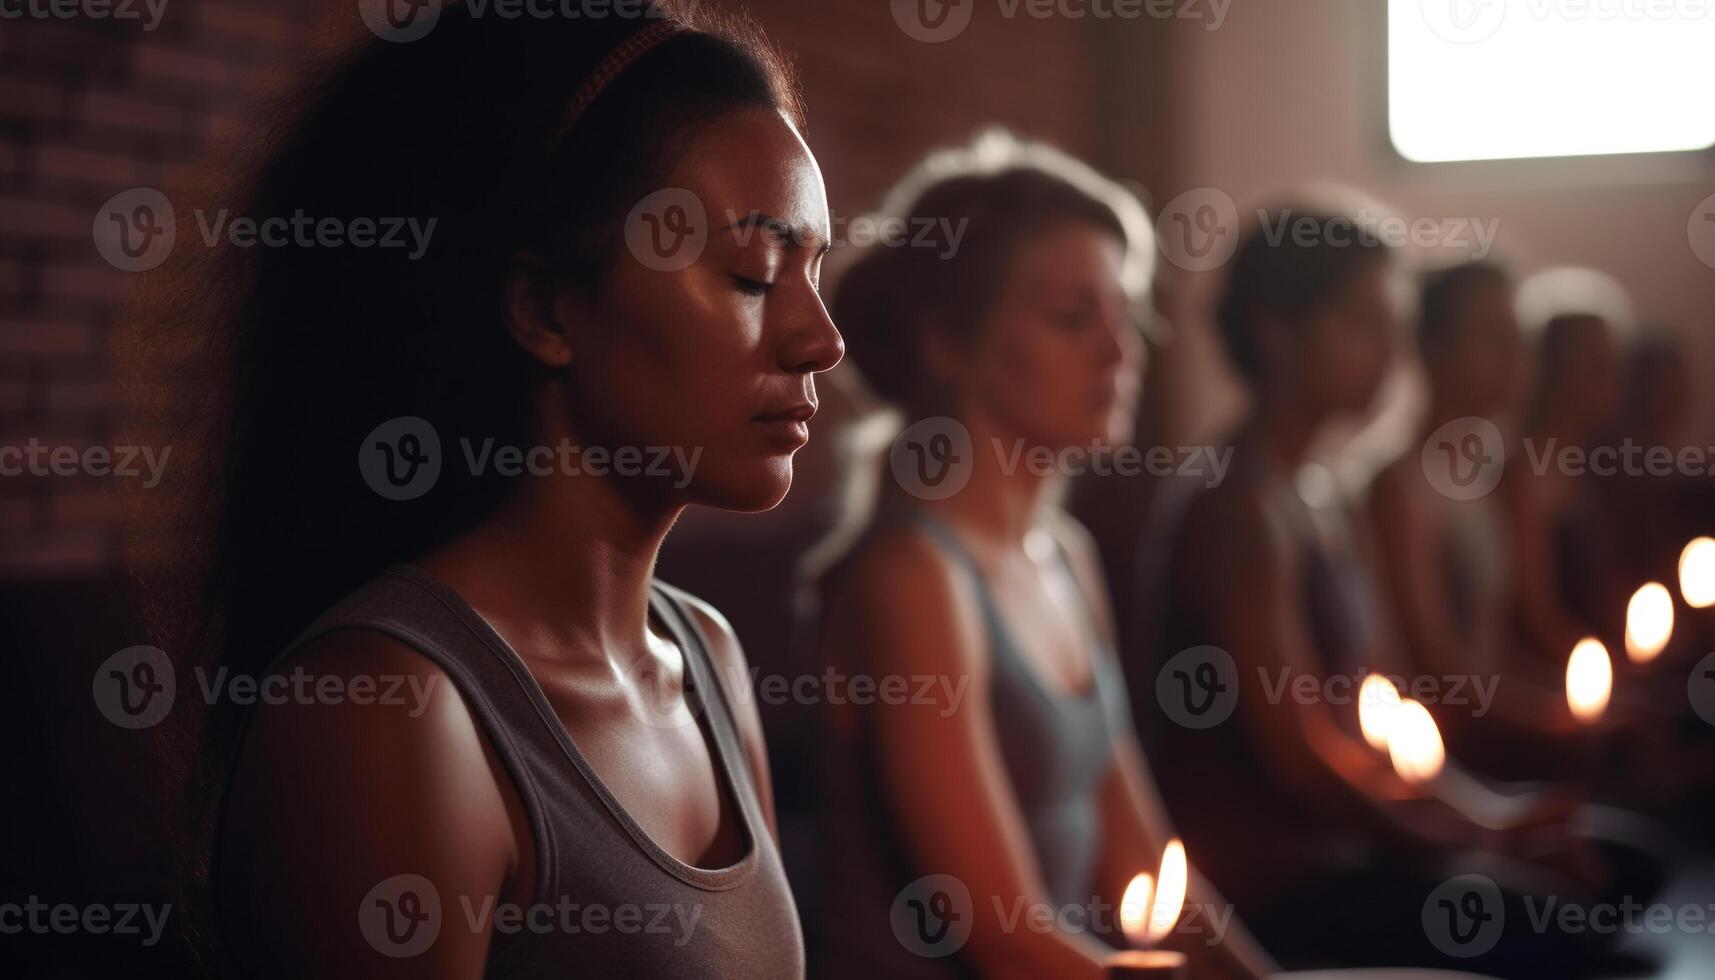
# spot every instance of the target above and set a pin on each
(1494, 79)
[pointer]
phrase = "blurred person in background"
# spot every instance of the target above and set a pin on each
(1019, 777)
(1442, 545)
(1556, 550)
(1324, 848)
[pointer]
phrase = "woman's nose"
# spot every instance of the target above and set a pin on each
(814, 343)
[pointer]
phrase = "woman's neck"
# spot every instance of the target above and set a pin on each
(564, 565)
(1278, 434)
(1005, 496)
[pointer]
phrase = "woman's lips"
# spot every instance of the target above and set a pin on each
(790, 425)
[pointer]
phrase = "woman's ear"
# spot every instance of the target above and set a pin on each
(535, 316)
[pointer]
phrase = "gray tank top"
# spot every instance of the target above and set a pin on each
(1056, 746)
(636, 911)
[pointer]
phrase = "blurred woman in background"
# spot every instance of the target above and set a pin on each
(1442, 542)
(1012, 785)
(1267, 582)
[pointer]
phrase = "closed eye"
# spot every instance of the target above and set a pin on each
(752, 287)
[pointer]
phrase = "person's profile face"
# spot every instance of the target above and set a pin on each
(1484, 358)
(1347, 343)
(711, 326)
(1586, 383)
(1059, 360)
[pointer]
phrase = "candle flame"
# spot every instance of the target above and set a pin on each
(1149, 912)
(1135, 906)
(1378, 704)
(1697, 573)
(1589, 679)
(1649, 622)
(1414, 743)
(1169, 900)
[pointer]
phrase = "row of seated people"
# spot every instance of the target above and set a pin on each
(1057, 765)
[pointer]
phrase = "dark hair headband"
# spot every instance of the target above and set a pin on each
(611, 67)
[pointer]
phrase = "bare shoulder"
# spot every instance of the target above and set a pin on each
(361, 762)
(1230, 523)
(914, 604)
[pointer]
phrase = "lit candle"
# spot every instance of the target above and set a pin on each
(1378, 704)
(1697, 573)
(1149, 910)
(1589, 679)
(1414, 743)
(1649, 623)
(1131, 964)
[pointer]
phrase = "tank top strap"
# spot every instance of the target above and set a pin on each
(948, 540)
(407, 605)
(712, 696)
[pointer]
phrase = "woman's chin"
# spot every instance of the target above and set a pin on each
(760, 488)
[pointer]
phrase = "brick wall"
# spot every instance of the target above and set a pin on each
(91, 107)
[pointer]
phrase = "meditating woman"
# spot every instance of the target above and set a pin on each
(450, 473)
(988, 822)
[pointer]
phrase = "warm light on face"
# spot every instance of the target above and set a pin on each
(1589, 679)
(1649, 622)
(1493, 79)
(1378, 704)
(1697, 573)
(1414, 744)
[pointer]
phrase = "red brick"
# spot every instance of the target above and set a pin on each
(65, 162)
(62, 551)
(110, 109)
(254, 24)
(84, 283)
(88, 396)
(157, 60)
(14, 281)
(45, 337)
(15, 396)
(66, 49)
(83, 507)
(17, 514)
(22, 217)
(33, 101)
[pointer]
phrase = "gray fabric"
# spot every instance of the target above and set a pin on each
(1056, 748)
(738, 921)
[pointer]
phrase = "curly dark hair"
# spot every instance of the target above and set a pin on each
(267, 366)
